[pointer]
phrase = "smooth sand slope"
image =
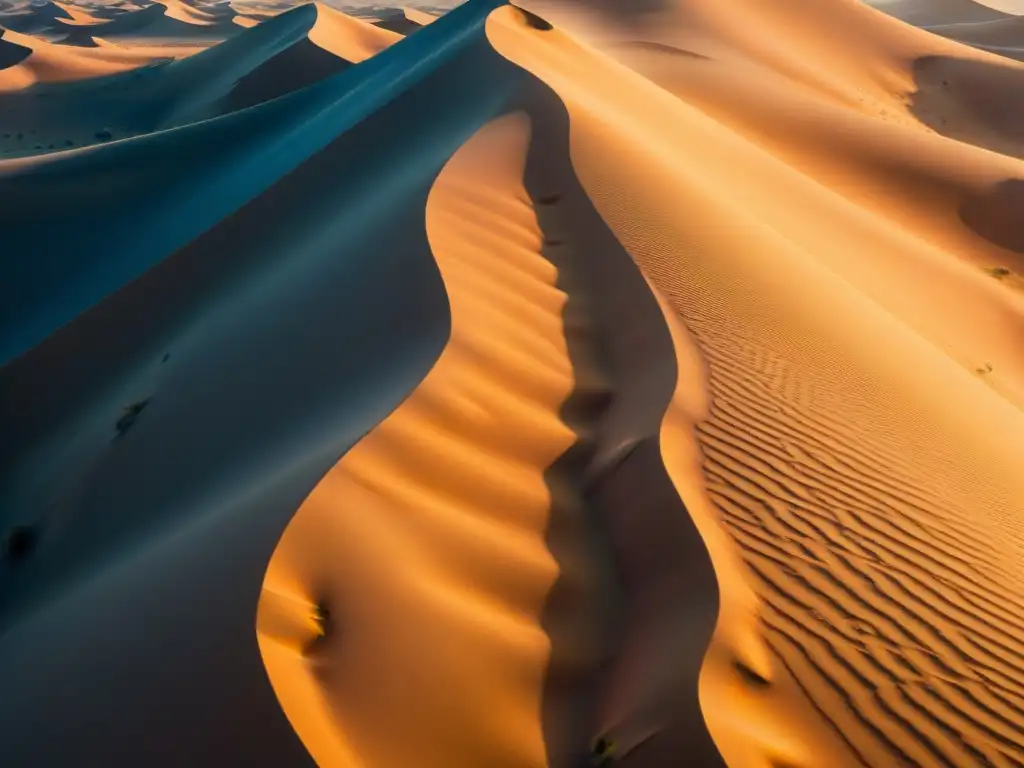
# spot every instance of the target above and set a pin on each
(192, 566)
(598, 380)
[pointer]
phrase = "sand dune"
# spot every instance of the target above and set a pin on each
(26, 60)
(33, 18)
(404, 21)
(39, 300)
(166, 21)
(774, 396)
(284, 54)
(584, 383)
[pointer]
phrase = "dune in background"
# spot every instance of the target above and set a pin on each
(573, 382)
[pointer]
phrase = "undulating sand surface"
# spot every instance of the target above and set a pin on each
(565, 383)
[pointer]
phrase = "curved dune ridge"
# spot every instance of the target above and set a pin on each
(563, 383)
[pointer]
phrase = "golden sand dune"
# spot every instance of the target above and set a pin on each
(34, 18)
(26, 60)
(581, 383)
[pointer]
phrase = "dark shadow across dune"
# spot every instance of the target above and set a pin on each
(637, 595)
(300, 64)
(397, 21)
(974, 102)
(998, 216)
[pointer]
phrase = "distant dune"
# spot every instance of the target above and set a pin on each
(572, 382)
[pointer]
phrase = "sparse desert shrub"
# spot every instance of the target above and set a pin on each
(130, 415)
(602, 752)
(104, 135)
(986, 368)
(998, 272)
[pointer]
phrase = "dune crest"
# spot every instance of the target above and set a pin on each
(479, 659)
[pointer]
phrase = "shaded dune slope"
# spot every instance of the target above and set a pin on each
(192, 567)
(70, 275)
(1004, 37)
(34, 18)
(926, 13)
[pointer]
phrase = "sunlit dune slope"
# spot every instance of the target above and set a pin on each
(26, 60)
(831, 450)
(923, 217)
(452, 493)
